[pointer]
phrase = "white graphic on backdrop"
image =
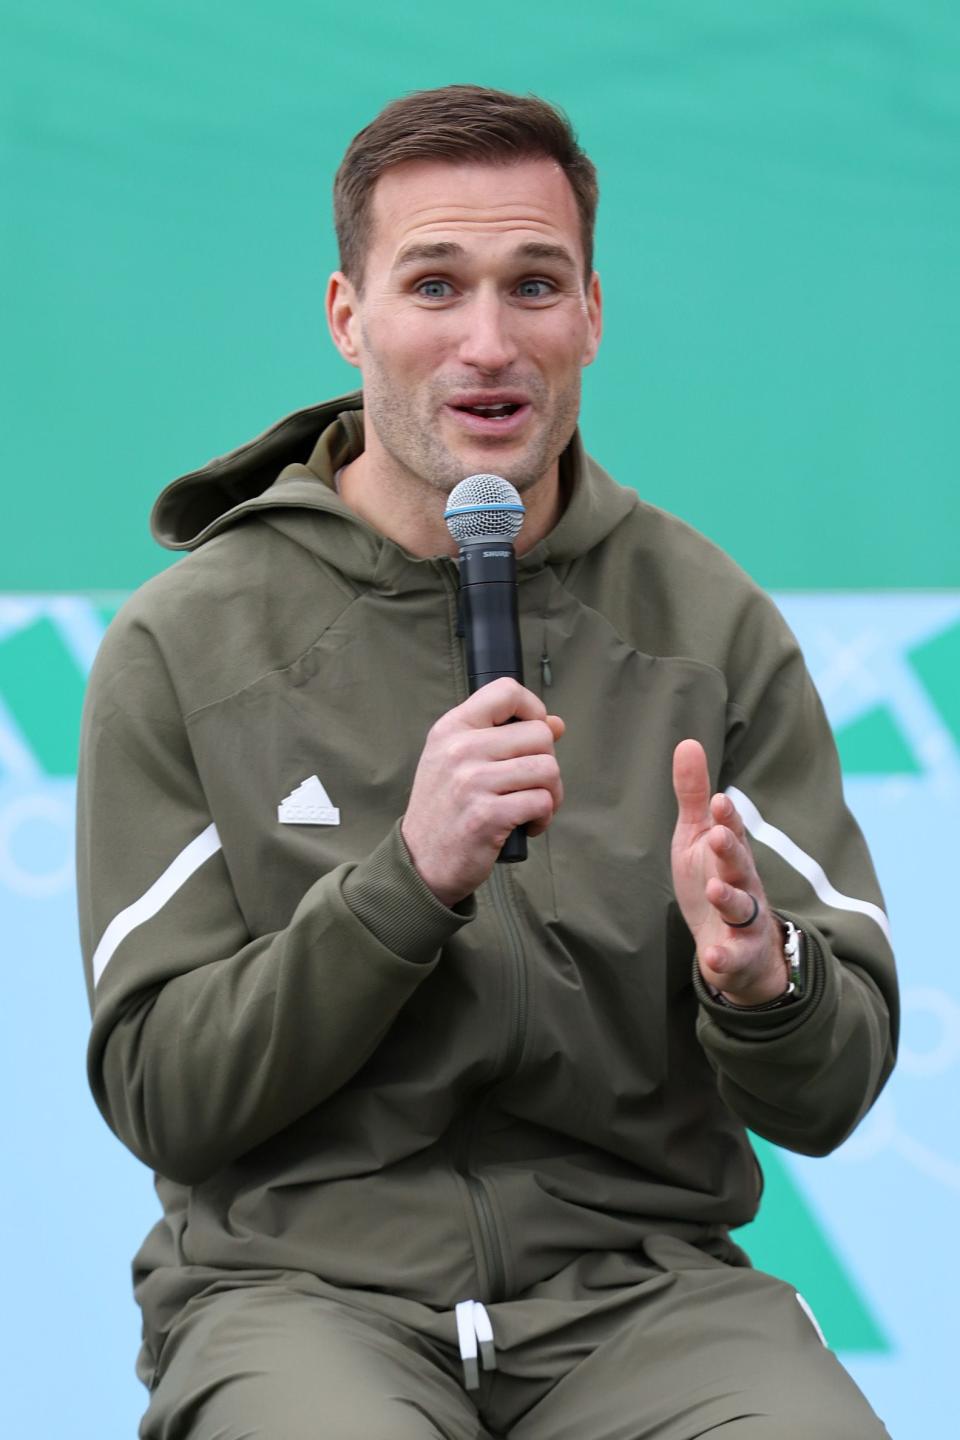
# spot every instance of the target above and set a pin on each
(38, 865)
(857, 649)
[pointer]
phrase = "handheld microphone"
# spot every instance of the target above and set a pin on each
(484, 514)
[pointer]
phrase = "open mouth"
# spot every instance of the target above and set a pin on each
(491, 419)
(490, 412)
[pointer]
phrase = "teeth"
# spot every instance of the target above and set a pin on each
(498, 410)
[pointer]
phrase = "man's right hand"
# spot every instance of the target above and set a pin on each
(478, 779)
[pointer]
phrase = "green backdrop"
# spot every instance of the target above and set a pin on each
(778, 240)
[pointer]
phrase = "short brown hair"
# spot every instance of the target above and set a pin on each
(456, 122)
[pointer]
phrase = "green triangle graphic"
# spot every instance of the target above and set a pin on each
(43, 689)
(786, 1240)
(937, 663)
(874, 744)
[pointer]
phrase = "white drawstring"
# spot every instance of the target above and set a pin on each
(473, 1325)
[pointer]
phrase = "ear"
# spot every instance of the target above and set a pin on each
(595, 319)
(343, 316)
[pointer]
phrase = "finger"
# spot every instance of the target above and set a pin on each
(500, 701)
(722, 967)
(714, 962)
(734, 906)
(472, 753)
(523, 737)
(724, 812)
(734, 858)
(527, 772)
(534, 809)
(537, 827)
(691, 783)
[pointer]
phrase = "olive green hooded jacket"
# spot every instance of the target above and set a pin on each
(329, 1070)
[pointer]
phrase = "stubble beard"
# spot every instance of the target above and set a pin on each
(408, 429)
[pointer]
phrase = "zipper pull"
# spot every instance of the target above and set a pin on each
(545, 672)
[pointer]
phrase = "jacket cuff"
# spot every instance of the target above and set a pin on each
(387, 894)
(758, 1023)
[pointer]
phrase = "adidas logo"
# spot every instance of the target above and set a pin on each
(309, 804)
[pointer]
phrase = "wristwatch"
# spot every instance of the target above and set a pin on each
(793, 953)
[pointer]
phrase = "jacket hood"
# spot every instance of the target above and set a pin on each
(285, 476)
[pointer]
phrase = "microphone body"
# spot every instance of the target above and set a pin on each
(488, 599)
(491, 629)
(485, 512)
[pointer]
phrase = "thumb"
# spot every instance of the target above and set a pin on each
(691, 783)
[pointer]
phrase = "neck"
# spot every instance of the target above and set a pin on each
(410, 512)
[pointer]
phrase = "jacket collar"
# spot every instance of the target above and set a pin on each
(285, 476)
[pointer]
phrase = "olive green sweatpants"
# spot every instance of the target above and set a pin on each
(666, 1345)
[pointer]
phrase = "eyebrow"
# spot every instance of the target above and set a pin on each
(437, 250)
(420, 252)
(543, 250)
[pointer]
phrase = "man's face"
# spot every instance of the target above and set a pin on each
(473, 324)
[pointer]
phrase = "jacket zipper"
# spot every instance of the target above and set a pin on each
(491, 1251)
(499, 886)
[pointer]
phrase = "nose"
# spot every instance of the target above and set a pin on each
(487, 343)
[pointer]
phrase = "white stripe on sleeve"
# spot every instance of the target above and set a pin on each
(809, 868)
(177, 873)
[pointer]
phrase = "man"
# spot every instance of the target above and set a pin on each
(446, 1147)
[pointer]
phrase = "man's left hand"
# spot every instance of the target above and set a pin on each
(716, 882)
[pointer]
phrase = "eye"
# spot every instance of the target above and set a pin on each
(534, 289)
(434, 289)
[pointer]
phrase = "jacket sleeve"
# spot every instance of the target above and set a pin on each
(206, 1041)
(802, 1076)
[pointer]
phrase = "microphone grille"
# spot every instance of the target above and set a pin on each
(481, 506)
